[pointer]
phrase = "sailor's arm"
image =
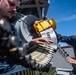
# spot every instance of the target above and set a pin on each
(67, 39)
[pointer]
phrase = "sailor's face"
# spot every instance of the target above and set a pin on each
(8, 7)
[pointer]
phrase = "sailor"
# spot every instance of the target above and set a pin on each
(7, 10)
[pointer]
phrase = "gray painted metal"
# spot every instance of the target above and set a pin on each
(59, 61)
(62, 66)
(38, 8)
(25, 28)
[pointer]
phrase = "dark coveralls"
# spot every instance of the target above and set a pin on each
(71, 40)
(6, 67)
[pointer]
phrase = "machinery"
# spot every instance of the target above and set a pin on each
(38, 8)
(27, 15)
(29, 12)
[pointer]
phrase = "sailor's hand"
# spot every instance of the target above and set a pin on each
(41, 40)
(71, 60)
